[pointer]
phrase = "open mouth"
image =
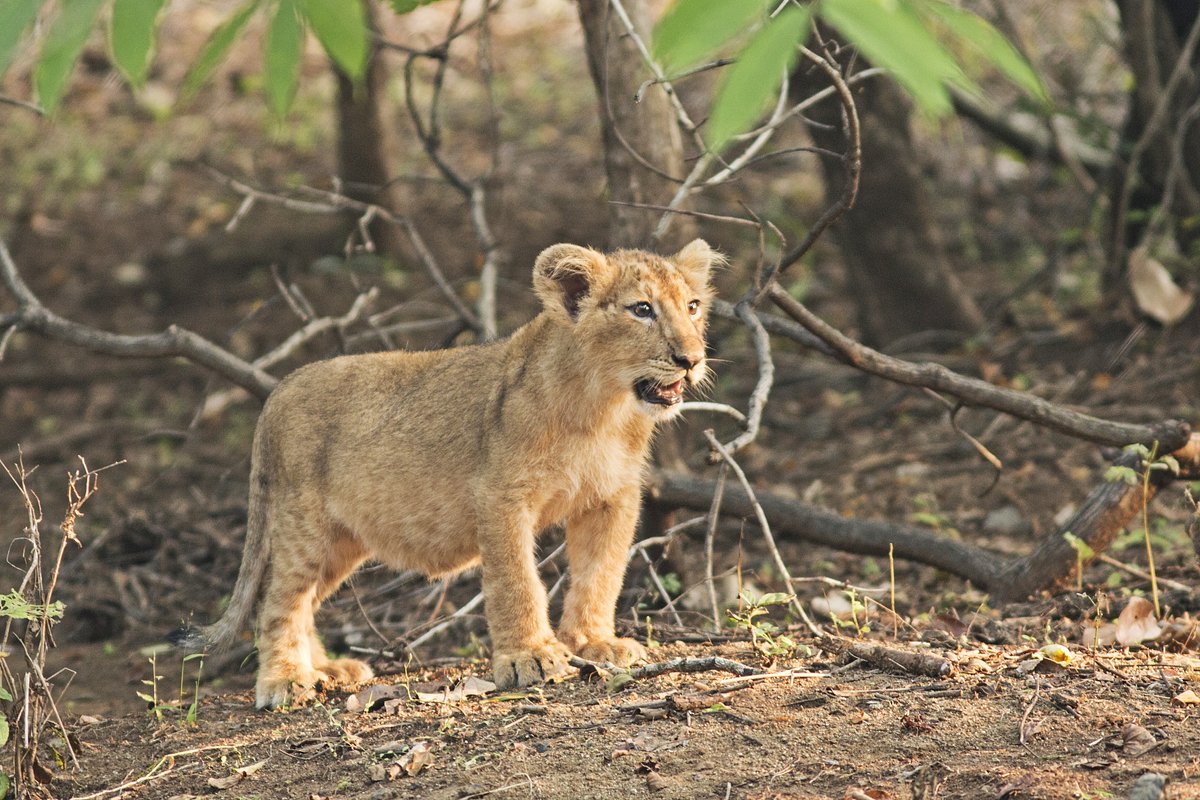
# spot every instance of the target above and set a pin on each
(659, 394)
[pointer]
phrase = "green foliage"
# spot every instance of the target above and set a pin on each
(767, 58)
(341, 27)
(693, 30)
(15, 606)
(216, 47)
(405, 6)
(765, 636)
(160, 708)
(281, 70)
(15, 17)
(61, 47)
(917, 41)
(976, 34)
(131, 36)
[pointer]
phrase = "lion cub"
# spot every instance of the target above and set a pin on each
(436, 461)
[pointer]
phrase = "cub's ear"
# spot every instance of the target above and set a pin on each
(564, 274)
(696, 261)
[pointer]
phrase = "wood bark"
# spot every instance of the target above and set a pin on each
(647, 127)
(363, 140)
(1162, 128)
(1051, 565)
(898, 270)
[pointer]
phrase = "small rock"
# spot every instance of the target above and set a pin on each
(1006, 521)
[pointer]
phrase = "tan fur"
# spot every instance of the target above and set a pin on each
(436, 461)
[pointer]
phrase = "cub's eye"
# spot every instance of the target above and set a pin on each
(642, 310)
(694, 308)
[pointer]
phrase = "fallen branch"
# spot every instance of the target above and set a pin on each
(1051, 565)
(801, 521)
(1100, 519)
(709, 664)
(889, 657)
(31, 315)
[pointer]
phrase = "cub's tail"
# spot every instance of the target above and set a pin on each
(256, 555)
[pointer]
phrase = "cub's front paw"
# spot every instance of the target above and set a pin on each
(515, 668)
(283, 691)
(619, 652)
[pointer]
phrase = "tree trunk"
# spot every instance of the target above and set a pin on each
(1155, 34)
(896, 265)
(363, 140)
(648, 128)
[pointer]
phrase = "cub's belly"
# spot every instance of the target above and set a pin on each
(436, 537)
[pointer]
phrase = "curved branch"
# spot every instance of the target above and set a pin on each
(1170, 435)
(174, 341)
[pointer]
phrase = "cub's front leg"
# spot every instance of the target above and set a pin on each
(524, 648)
(597, 549)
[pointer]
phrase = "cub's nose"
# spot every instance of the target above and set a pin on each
(687, 360)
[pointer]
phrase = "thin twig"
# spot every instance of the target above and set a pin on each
(852, 160)
(763, 525)
(710, 535)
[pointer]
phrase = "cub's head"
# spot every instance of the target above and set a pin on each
(637, 318)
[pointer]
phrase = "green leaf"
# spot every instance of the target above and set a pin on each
(61, 47)
(405, 6)
(774, 599)
(217, 46)
(1118, 473)
(1081, 548)
(4, 694)
(341, 27)
(15, 17)
(281, 70)
(693, 30)
(3, 732)
(979, 34)
(3, 784)
(891, 36)
(131, 36)
(750, 84)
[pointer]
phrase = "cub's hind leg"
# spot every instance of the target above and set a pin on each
(345, 554)
(303, 561)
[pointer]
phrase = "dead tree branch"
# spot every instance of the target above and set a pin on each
(1107, 510)
(1170, 435)
(31, 315)
(472, 190)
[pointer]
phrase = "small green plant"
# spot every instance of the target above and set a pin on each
(651, 642)
(929, 514)
(1149, 461)
(1083, 552)
(765, 636)
(859, 622)
(186, 711)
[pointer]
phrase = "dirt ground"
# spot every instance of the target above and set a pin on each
(115, 222)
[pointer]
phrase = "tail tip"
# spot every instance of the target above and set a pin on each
(188, 637)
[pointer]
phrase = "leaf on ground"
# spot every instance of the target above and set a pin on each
(1188, 698)
(1136, 740)
(418, 758)
(364, 699)
(1154, 291)
(239, 774)
(1057, 653)
(1136, 623)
